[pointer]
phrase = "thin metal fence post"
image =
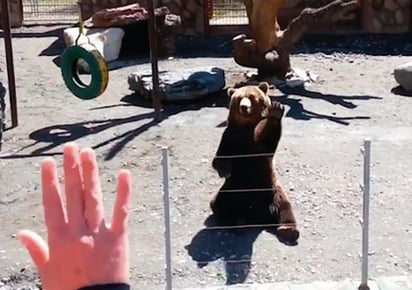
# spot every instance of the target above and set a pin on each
(168, 235)
(365, 219)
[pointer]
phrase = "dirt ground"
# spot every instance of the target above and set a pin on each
(319, 162)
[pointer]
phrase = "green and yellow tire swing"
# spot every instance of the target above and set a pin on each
(97, 64)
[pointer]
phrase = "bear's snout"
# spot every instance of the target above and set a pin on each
(245, 105)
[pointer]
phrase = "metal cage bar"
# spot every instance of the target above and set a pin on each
(50, 11)
(227, 12)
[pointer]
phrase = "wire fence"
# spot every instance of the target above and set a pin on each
(342, 240)
(227, 12)
(50, 11)
(237, 255)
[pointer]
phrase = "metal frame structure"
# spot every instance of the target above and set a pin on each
(44, 12)
(365, 187)
(212, 30)
(154, 56)
(10, 62)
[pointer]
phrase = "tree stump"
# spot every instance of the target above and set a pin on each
(268, 49)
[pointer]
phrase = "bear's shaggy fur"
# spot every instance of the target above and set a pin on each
(251, 193)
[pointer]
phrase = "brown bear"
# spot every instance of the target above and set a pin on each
(251, 193)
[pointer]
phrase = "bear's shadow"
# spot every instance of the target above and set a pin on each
(233, 247)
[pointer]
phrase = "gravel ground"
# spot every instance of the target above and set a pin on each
(319, 162)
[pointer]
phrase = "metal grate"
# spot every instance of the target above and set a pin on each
(50, 11)
(227, 12)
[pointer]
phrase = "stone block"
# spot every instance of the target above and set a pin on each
(403, 76)
(107, 41)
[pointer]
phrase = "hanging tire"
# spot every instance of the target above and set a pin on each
(98, 71)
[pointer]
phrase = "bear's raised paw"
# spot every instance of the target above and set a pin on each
(276, 111)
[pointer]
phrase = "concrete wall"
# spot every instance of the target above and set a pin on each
(377, 16)
(389, 16)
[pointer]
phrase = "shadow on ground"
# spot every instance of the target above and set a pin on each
(298, 112)
(56, 135)
(401, 92)
(235, 250)
(233, 247)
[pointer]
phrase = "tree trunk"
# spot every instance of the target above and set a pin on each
(269, 48)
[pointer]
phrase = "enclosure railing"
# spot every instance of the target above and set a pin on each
(365, 187)
(50, 11)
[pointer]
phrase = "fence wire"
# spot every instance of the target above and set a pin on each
(218, 255)
(50, 11)
(332, 247)
(227, 12)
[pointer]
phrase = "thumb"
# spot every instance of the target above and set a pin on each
(37, 247)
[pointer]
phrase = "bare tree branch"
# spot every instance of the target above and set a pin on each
(310, 18)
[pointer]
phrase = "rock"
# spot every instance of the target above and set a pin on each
(295, 78)
(191, 6)
(399, 17)
(180, 85)
(404, 3)
(173, 20)
(107, 41)
(403, 76)
(391, 5)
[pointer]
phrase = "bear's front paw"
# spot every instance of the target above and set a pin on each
(224, 172)
(223, 167)
(276, 111)
(288, 235)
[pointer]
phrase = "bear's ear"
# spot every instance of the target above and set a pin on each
(264, 86)
(231, 91)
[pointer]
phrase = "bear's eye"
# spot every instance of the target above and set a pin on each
(252, 98)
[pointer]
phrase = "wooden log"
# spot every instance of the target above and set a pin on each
(123, 15)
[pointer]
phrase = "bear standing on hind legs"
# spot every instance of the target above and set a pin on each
(251, 193)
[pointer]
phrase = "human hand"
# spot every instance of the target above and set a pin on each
(82, 249)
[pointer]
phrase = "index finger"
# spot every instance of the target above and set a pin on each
(54, 215)
(122, 204)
